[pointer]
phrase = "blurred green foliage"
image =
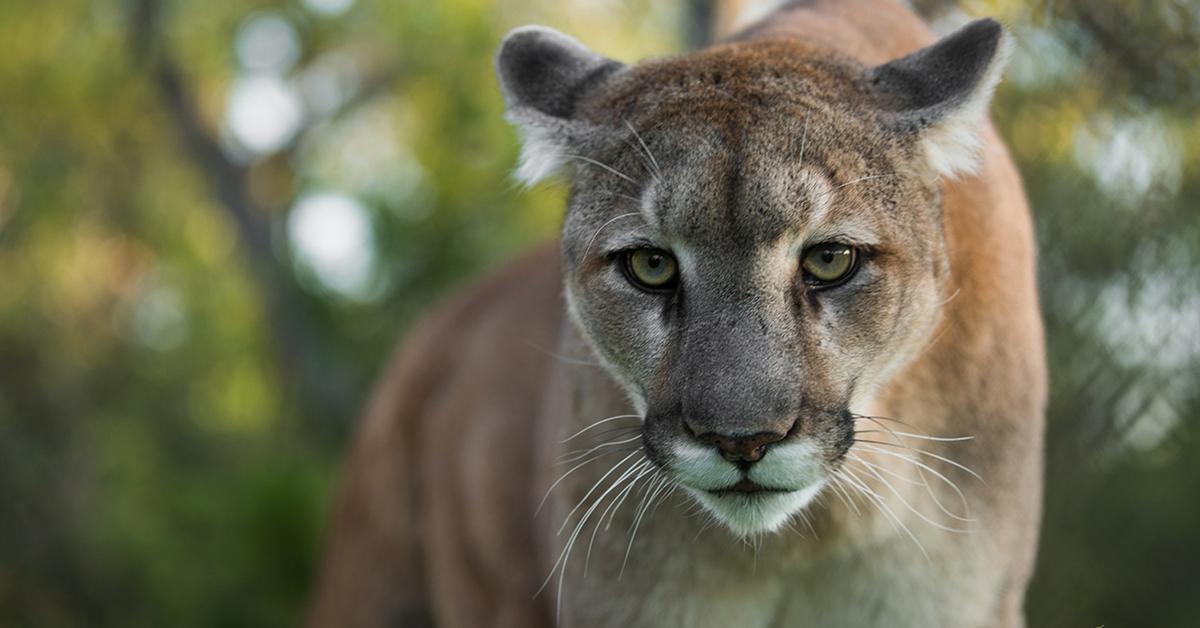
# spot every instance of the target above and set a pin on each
(180, 367)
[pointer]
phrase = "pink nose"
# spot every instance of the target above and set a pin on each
(742, 449)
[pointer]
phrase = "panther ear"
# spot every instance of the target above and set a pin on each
(941, 93)
(543, 75)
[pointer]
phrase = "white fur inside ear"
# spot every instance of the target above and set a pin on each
(541, 155)
(952, 146)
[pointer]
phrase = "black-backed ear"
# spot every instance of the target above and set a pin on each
(543, 75)
(941, 93)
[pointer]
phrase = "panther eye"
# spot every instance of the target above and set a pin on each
(651, 269)
(829, 264)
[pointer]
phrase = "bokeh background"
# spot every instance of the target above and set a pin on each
(216, 218)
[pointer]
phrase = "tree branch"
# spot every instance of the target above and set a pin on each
(303, 356)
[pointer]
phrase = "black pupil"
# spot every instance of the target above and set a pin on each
(654, 261)
(827, 256)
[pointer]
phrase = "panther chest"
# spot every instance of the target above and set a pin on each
(893, 586)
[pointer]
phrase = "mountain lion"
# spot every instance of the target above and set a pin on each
(785, 368)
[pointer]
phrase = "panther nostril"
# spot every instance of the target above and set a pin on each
(742, 449)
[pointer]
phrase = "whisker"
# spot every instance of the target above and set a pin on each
(661, 481)
(566, 549)
(583, 499)
(902, 478)
(879, 501)
(846, 498)
(950, 298)
(641, 469)
(576, 455)
(921, 468)
(707, 524)
(808, 524)
(664, 498)
(879, 418)
(657, 170)
(615, 431)
(562, 358)
(870, 468)
(604, 166)
(619, 450)
(566, 555)
(601, 422)
(610, 221)
(835, 188)
(929, 489)
(923, 453)
(923, 436)
(564, 476)
(625, 493)
(939, 439)
(962, 499)
(646, 165)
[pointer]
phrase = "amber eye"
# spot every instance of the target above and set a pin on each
(651, 269)
(828, 264)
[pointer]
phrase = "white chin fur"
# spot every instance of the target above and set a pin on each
(795, 465)
(760, 513)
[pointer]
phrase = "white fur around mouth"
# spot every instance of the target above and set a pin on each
(791, 472)
(748, 514)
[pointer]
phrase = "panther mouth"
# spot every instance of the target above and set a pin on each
(746, 486)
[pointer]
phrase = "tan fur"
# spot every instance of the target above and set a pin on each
(434, 517)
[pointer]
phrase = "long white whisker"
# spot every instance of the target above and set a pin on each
(846, 498)
(608, 432)
(566, 555)
(869, 445)
(625, 493)
(600, 454)
(644, 468)
(950, 298)
(924, 482)
(877, 421)
(632, 471)
(920, 465)
(902, 478)
(863, 417)
(583, 499)
(599, 423)
(664, 498)
(936, 500)
(661, 481)
(657, 170)
(610, 221)
(808, 524)
(564, 476)
(870, 468)
(940, 439)
(605, 166)
(879, 501)
(573, 456)
(854, 489)
(707, 524)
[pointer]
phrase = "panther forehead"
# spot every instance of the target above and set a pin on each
(732, 76)
(726, 196)
(748, 141)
